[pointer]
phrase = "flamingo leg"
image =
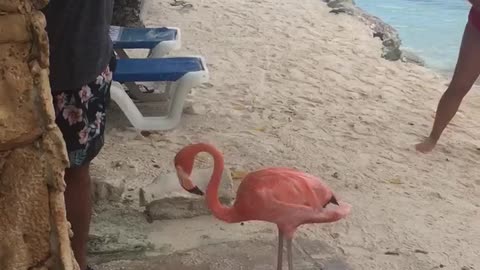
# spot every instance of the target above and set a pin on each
(280, 250)
(289, 254)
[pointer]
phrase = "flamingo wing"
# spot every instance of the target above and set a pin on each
(301, 214)
(285, 184)
(289, 216)
(286, 197)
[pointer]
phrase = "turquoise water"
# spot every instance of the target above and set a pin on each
(431, 29)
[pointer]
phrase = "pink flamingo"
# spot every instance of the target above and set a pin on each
(283, 196)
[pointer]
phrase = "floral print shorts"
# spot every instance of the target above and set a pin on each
(80, 115)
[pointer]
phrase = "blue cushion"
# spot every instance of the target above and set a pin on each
(140, 38)
(155, 69)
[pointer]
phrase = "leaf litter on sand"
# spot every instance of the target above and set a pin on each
(238, 175)
(395, 181)
(261, 129)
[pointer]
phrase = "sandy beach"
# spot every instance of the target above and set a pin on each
(294, 85)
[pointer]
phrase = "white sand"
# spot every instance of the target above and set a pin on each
(292, 85)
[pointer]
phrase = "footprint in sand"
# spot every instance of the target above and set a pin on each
(185, 6)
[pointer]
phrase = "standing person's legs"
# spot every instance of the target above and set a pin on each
(80, 115)
(78, 203)
(465, 75)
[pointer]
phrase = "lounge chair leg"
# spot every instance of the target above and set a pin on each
(180, 91)
(177, 94)
(169, 90)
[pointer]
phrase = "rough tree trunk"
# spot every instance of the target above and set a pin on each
(34, 232)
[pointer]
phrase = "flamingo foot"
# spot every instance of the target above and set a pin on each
(280, 250)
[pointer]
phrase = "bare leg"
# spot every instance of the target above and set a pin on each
(280, 250)
(289, 254)
(79, 210)
(465, 75)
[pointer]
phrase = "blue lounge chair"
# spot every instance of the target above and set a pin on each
(180, 73)
(159, 41)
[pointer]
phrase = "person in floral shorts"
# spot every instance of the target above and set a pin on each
(80, 115)
(81, 66)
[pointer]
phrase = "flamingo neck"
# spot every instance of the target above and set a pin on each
(226, 214)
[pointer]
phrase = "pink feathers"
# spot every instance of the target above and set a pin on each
(283, 196)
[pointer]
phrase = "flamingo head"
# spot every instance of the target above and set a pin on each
(184, 165)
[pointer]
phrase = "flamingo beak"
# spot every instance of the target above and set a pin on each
(195, 190)
(186, 182)
(332, 200)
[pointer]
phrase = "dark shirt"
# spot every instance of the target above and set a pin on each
(80, 45)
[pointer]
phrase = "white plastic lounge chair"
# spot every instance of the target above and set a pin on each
(159, 41)
(181, 75)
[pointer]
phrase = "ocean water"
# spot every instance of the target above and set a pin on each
(432, 29)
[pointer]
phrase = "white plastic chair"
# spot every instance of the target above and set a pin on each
(181, 75)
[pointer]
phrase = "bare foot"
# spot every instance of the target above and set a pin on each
(426, 146)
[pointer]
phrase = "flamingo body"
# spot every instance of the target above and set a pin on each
(283, 196)
(286, 197)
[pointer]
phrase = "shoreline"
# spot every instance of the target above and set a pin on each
(389, 36)
(391, 40)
